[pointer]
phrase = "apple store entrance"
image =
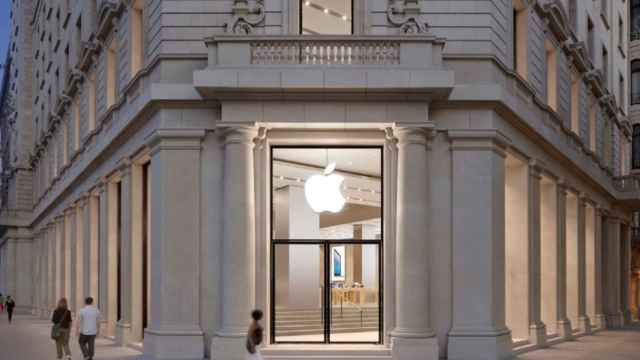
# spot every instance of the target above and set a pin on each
(326, 244)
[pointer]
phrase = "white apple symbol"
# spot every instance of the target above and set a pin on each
(323, 191)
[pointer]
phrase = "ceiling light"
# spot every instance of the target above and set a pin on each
(326, 11)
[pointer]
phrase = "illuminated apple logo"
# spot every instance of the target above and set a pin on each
(323, 191)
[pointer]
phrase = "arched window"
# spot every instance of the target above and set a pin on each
(635, 82)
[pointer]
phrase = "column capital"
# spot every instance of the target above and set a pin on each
(124, 166)
(238, 133)
(175, 139)
(414, 133)
(536, 168)
(481, 139)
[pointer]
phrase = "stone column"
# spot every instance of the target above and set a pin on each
(112, 238)
(174, 331)
(601, 319)
(537, 329)
(51, 278)
(44, 287)
(60, 258)
(92, 227)
(584, 323)
(478, 203)
(136, 252)
(564, 324)
(70, 267)
(39, 274)
(625, 273)
(612, 271)
(238, 243)
(103, 241)
(413, 337)
(86, 247)
(123, 328)
(79, 252)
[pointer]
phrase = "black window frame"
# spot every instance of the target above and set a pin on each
(328, 244)
(301, 5)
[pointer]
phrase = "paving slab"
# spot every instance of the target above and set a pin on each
(27, 338)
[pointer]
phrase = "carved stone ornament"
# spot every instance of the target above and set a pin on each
(246, 16)
(405, 14)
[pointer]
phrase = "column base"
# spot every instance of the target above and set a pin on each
(601, 321)
(538, 334)
(231, 347)
(479, 345)
(123, 333)
(403, 348)
(187, 344)
(565, 330)
(584, 324)
(615, 321)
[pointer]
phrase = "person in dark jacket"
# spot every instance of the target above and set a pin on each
(254, 336)
(10, 305)
(62, 318)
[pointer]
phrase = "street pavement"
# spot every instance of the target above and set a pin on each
(28, 339)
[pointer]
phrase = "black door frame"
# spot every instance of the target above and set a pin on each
(327, 245)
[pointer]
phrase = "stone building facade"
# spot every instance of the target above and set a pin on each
(409, 179)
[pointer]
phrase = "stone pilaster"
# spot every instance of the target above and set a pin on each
(51, 277)
(625, 273)
(584, 323)
(601, 319)
(478, 201)
(537, 329)
(80, 254)
(413, 337)
(60, 257)
(238, 243)
(563, 324)
(105, 294)
(70, 258)
(612, 271)
(174, 330)
(123, 327)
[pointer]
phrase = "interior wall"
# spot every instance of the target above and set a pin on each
(572, 259)
(548, 254)
(517, 248)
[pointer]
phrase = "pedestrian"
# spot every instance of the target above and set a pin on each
(10, 304)
(87, 328)
(1, 303)
(254, 336)
(61, 320)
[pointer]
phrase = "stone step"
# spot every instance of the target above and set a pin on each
(326, 352)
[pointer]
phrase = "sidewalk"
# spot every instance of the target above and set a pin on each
(605, 345)
(27, 338)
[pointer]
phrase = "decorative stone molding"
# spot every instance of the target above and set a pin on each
(405, 14)
(557, 19)
(472, 140)
(89, 49)
(245, 17)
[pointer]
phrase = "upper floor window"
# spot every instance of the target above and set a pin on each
(137, 37)
(635, 82)
(520, 25)
(332, 17)
(635, 20)
(551, 63)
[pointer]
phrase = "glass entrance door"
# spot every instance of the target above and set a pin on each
(326, 259)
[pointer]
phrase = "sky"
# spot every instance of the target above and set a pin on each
(4, 30)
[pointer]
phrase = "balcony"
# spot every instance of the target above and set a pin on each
(302, 67)
(629, 188)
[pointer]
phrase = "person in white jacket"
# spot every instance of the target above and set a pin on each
(88, 328)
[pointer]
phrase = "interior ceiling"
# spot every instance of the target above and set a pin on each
(341, 6)
(357, 160)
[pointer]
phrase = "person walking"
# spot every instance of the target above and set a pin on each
(61, 320)
(87, 328)
(10, 304)
(1, 303)
(254, 336)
